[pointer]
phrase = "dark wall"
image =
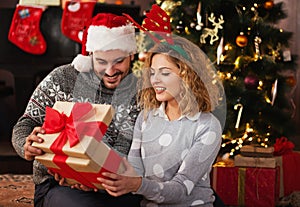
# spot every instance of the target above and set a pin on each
(29, 69)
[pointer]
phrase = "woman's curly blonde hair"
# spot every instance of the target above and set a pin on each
(200, 85)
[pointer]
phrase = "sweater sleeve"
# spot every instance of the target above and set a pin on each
(195, 166)
(45, 94)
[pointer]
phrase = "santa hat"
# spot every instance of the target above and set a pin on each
(105, 32)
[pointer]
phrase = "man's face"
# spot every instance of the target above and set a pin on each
(111, 66)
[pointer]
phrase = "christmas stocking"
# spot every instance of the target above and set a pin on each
(25, 32)
(75, 15)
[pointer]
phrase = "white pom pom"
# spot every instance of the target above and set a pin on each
(82, 63)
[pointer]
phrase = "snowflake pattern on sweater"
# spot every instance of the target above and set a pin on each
(66, 84)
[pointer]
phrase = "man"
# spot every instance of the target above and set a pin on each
(101, 75)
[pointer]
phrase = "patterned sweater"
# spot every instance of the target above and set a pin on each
(175, 158)
(66, 84)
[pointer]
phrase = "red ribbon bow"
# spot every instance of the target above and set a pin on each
(283, 146)
(72, 128)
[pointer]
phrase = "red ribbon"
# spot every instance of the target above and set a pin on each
(283, 146)
(72, 128)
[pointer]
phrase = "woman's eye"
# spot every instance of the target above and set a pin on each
(165, 73)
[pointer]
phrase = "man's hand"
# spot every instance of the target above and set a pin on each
(30, 151)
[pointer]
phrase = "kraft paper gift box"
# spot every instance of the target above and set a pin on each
(257, 151)
(73, 143)
(266, 162)
(250, 187)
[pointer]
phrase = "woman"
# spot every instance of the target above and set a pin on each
(176, 137)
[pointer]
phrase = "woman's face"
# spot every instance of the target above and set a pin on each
(111, 66)
(164, 78)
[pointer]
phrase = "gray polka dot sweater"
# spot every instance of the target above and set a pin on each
(175, 158)
(66, 84)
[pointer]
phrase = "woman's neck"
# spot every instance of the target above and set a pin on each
(172, 110)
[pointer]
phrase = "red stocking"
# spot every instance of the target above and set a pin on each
(75, 16)
(25, 32)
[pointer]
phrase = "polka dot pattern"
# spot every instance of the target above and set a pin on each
(151, 205)
(189, 186)
(182, 167)
(165, 140)
(143, 153)
(184, 153)
(158, 170)
(197, 202)
(204, 177)
(209, 138)
(143, 126)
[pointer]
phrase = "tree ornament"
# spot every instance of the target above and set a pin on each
(269, 4)
(25, 31)
(257, 41)
(241, 40)
(168, 6)
(119, 2)
(291, 81)
(220, 50)
(199, 18)
(251, 82)
(213, 33)
(274, 92)
(142, 56)
(180, 27)
(239, 107)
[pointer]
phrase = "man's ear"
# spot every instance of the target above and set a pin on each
(132, 57)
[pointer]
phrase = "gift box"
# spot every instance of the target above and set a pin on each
(289, 162)
(73, 143)
(256, 151)
(238, 186)
(265, 162)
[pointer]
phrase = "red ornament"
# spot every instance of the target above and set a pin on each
(291, 81)
(142, 56)
(251, 82)
(241, 40)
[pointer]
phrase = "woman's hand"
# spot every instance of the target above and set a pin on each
(117, 185)
(29, 151)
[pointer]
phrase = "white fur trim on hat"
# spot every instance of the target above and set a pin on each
(82, 63)
(104, 38)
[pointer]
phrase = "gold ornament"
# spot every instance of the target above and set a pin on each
(168, 6)
(241, 40)
(269, 4)
(212, 32)
(119, 2)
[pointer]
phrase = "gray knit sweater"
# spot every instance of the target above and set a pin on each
(66, 84)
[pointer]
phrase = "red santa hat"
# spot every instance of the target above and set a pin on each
(105, 32)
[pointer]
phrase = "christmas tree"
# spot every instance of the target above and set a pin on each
(253, 60)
